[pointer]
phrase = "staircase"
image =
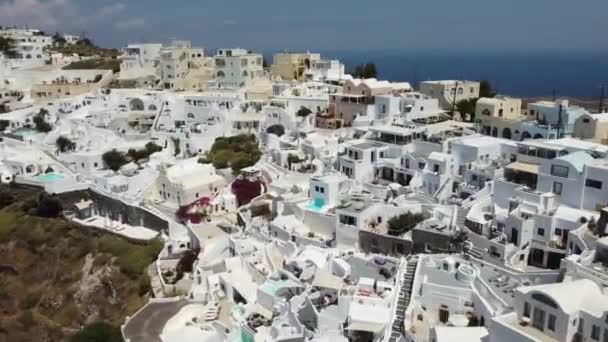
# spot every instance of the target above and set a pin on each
(476, 252)
(403, 299)
(461, 216)
(422, 198)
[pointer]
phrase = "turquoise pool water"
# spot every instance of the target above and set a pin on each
(50, 177)
(25, 132)
(316, 205)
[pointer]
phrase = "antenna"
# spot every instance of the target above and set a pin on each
(454, 100)
(559, 121)
(601, 109)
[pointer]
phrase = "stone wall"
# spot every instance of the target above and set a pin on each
(116, 209)
(371, 242)
(426, 240)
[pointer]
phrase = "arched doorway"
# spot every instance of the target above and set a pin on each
(525, 135)
(136, 104)
(494, 131)
(538, 136)
(506, 133)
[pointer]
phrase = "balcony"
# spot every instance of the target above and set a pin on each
(520, 174)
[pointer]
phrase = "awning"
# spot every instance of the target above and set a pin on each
(524, 167)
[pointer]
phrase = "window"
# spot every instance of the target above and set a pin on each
(551, 323)
(421, 165)
(348, 220)
(322, 190)
(541, 231)
(557, 188)
(592, 183)
(407, 163)
(526, 309)
(558, 231)
(559, 171)
(538, 319)
(595, 333)
(316, 188)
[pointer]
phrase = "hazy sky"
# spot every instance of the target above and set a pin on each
(521, 25)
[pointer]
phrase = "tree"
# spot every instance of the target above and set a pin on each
(58, 39)
(367, 70)
(48, 206)
(278, 130)
(485, 89)
(403, 223)
(87, 42)
(293, 159)
(7, 46)
(40, 121)
(98, 332)
(114, 159)
(467, 106)
(303, 112)
(64, 144)
(152, 147)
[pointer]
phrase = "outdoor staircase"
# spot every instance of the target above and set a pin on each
(422, 197)
(461, 217)
(476, 252)
(403, 299)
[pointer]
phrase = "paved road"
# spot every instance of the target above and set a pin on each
(148, 324)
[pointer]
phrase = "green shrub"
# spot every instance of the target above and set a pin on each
(403, 223)
(236, 152)
(131, 261)
(98, 332)
(144, 286)
(278, 130)
(114, 159)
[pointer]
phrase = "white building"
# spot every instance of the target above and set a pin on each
(236, 68)
(187, 181)
(183, 67)
(550, 120)
(140, 61)
(29, 51)
(450, 92)
(326, 70)
(568, 311)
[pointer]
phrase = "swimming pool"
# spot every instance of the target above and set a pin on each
(49, 177)
(25, 132)
(316, 205)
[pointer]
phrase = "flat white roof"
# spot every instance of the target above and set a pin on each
(588, 296)
(460, 334)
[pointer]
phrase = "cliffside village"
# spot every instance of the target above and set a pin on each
(319, 206)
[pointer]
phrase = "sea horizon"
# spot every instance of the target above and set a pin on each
(517, 73)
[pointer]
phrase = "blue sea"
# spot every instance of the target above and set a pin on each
(576, 74)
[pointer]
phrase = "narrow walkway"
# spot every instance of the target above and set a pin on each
(405, 293)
